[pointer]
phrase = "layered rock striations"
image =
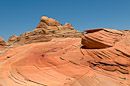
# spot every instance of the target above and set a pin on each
(101, 38)
(109, 49)
(2, 44)
(46, 30)
(100, 58)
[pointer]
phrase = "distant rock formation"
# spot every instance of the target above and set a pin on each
(46, 30)
(2, 44)
(45, 22)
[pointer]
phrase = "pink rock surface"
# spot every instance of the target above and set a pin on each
(66, 62)
(109, 49)
(101, 38)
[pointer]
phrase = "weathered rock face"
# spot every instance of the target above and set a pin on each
(100, 58)
(2, 44)
(45, 22)
(46, 30)
(28, 37)
(101, 38)
(108, 49)
(65, 62)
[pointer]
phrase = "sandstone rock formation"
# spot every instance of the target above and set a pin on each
(108, 49)
(101, 38)
(102, 60)
(2, 44)
(46, 30)
(45, 22)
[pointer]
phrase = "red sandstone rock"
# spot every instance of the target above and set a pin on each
(101, 38)
(100, 58)
(46, 30)
(68, 26)
(12, 39)
(65, 62)
(2, 44)
(45, 22)
(109, 49)
(50, 21)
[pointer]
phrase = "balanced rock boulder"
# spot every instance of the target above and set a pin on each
(46, 30)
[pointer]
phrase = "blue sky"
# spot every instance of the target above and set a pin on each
(19, 16)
